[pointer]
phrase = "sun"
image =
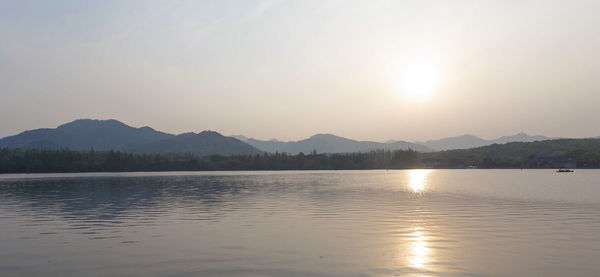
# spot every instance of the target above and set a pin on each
(420, 80)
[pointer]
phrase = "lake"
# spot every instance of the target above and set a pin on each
(302, 223)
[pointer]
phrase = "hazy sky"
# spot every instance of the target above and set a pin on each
(290, 69)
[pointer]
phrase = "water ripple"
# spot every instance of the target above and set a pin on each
(339, 223)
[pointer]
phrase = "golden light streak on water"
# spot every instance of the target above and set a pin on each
(419, 252)
(418, 179)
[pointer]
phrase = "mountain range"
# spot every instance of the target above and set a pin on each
(470, 141)
(328, 143)
(85, 134)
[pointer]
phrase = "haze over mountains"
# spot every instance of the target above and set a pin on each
(85, 134)
(327, 143)
(470, 141)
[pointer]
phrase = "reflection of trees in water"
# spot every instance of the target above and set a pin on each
(112, 198)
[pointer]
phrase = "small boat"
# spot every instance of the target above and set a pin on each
(564, 170)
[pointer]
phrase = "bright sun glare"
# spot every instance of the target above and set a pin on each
(420, 80)
(418, 180)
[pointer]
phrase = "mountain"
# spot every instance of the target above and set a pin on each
(327, 143)
(204, 143)
(84, 134)
(240, 137)
(470, 141)
(460, 142)
(520, 137)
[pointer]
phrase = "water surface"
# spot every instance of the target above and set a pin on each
(308, 223)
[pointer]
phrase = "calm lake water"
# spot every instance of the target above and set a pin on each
(318, 223)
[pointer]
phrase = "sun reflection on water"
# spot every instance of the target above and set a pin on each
(418, 180)
(419, 252)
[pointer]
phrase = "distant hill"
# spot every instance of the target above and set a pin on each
(586, 153)
(520, 137)
(460, 142)
(327, 143)
(470, 141)
(203, 143)
(84, 134)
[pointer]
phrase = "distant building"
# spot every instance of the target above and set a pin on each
(557, 162)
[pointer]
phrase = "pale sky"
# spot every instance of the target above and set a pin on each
(291, 69)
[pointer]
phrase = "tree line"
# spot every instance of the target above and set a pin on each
(584, 152)
(64, 160)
